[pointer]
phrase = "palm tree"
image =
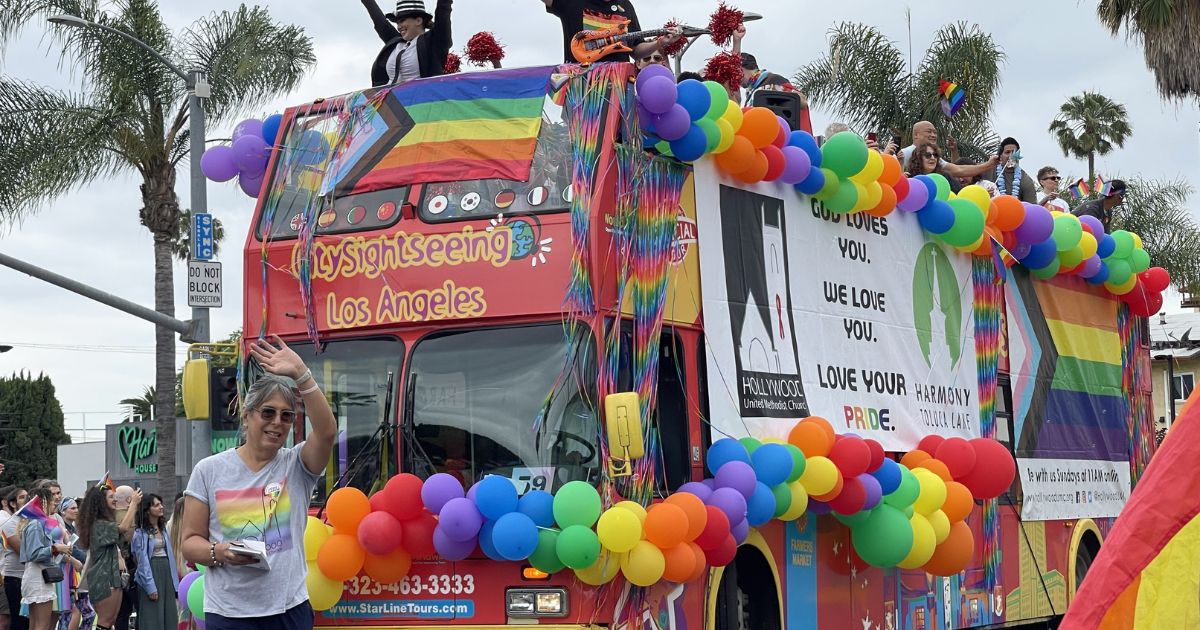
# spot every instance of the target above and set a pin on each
(140, 408)
(1089, 125)
(1169, 33)
(130, 115)
(866, 80)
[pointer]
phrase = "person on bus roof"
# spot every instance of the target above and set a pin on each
(414, 43)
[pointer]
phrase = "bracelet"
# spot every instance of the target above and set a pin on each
(306, 376)
(305, 392)
(212, 555)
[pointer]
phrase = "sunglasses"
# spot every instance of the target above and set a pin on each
(286, 416)
(1053, 178)
(929, 154)
(653, 58)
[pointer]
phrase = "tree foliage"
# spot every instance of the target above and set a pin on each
(1169, 34)
(139, 408)
(1088, 125)
(31, 428)
(865, 80)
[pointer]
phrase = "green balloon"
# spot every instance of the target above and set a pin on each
(1124, 245)
(545, 555)
(855, 520)
(719, 100)
(968, 224)
(664, 148)
(577, 547)
(1067, 232)
(783, 498)
(885, 538)
(943, 186)
(1139, 260)
(195, 598)
(908, 511)
(1070, 258)
(832, 183)
(845, 153)
(906, 492)
(1051, 270)
(751, 444)
(576, 503)
(798, 462)
(843, 201)
(712, 133)
(1119, 272)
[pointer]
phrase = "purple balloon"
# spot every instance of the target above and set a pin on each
(1090, 267)
(185, 584)
(739, 476)
(697, 488)
(451, 549)
(645, 118)
(251, 185)
(460, 519)
(873, 488)
(674, 124)
(1037, 225)
(1094, 224)
(1021, 250)
(729, 501)
(218, 165)
(819, 507)
(917, 197)
(438, 490)
(250, 153)
(796, 165)
(248, 127)
(709, 483)
(658, 94)
(740, 531)
(649, 72)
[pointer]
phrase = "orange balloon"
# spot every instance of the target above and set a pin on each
(832, 494)
(693, 507)
(389, 568)
(914, 457)
(954, 554)
(664, 525)
(341, 557)
(811, 439)
(759, 126)
(701, 566)
(937, 467)
(959, 502)
(758, 169)
(346, 507)
(891, 171)
(1009, 213)
(680, 563)
(887, 201)
(739, 157)
(825, 425)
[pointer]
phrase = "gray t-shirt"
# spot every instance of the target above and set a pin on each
(271, 506)
(11, 565)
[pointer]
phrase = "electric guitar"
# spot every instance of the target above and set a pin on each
(591, 46)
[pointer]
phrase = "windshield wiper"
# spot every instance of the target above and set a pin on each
(415, 452)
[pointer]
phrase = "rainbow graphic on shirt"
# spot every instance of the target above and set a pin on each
(594, 21)
(260, 513)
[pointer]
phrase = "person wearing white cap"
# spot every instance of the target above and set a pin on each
(415, 43)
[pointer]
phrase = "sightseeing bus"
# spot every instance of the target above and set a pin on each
(465, 311)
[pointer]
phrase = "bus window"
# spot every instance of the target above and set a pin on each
(548, 188)
(1004, 431)
(518, 402)
(670, 416)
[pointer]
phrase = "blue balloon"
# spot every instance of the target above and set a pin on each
(487, 544)
(937, 217)
(1101, 276)
(692, 145)
(808, 144)
(1040, 254)
(1106, 246)
(496, 496)
(515, 536)
(270, 128)
(772, 463)
(726, 450)
(538, 505)
(313, 149)
(888, 475)
(694, 97)
(814, 182)
(760, 507)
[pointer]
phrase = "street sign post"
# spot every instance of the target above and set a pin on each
(202, 236)
(204, 284)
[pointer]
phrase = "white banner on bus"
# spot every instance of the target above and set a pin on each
(1053, 489)
(862, 320)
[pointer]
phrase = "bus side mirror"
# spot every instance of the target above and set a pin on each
(195, 389)
(623, 421)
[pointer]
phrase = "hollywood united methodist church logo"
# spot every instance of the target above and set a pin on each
(935, 288)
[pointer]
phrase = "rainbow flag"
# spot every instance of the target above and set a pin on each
(1148, 570)
(33, 511)
(953, 97)
(1080, 189)
(106, 482)
(1098, 185)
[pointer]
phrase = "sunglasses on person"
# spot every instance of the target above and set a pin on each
(655, 58)
(268, 414)
(1053, 178)
(929, 155)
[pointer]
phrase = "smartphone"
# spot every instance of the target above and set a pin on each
(896, 141)
(872, 137)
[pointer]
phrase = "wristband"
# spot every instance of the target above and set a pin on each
(305, 392)
(306, 376)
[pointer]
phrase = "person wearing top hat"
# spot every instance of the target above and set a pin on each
(415, 43)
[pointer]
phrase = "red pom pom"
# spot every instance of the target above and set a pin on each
(675, 47)
(723, 23)
(453, 63)
(724, 68)
(483, 49)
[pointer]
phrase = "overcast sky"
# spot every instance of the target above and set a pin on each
(1055, 50)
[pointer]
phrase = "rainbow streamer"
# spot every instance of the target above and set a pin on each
(988, 302)
(1134, 382)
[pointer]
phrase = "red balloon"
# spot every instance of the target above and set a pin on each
(852, 456)
(716, 529)
(781, 138)
(1156, 279)
(901, 188)
(958, 455)
(379, 533)
(417, 534)
(775, 162)
(851, 499)
(379, 501)
(404, 496)
(930, 444)
(993, 472)
(877, 454)
(723, 553)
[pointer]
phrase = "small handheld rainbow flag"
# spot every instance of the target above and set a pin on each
(1098, 185)
(953, 97)
(33, 511)
(1080, 189)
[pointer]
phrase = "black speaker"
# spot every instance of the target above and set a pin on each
(785, 104)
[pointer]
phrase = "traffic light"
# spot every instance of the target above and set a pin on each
(222, 396)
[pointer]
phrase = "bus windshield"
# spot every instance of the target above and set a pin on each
(517, 402)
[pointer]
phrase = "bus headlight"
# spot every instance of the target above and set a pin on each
(536, 602)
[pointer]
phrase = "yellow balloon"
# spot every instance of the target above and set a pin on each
(820, 475)
(602, 571)
(323, 592)
(874, 193)
(976, 195)
(315, 535)
(973, 246)
(1123, 288)
(636, 508)
(1137, 240)
(619, 529)
(924, 542)
(1088, 245)
(871, 171)
(733, 116)
(727, 136)
(864, 195)
(644, 564)
(933, 491)
(799, 502)
(941, 525)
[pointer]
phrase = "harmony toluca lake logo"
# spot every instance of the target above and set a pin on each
(135, 446)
